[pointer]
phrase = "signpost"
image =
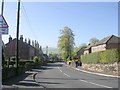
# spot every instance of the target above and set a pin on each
(3, 25)
(3, 30)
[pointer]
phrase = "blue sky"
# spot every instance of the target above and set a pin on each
(42, 21)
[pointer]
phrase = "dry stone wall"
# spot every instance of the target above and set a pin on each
(103, 68)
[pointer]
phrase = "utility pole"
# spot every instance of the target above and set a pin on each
(17, 43)
(1, 48)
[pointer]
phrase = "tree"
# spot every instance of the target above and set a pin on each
(84, 45)
(93, 40)
(66, 42)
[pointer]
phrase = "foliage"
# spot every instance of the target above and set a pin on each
(13, 58)
(37, 61)
(90, 58)
(105, 57)
(54, 57)
(93, 40)
(12, 63)
(66, 42)
(29, 66)
(109, 56)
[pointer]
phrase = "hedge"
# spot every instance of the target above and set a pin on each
(104, 57)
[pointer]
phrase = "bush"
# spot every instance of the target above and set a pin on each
(90, 58)
(8, 72)
(12, 63)
(104, 57)
(29, 66)
(37, 60)
(13, 58)
(108, 56)
(22, 63)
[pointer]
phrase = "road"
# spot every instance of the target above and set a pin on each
(59, 75)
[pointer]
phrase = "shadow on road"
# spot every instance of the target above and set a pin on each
(57, 78)
(51, 66)
(22, 79)
(49, 83)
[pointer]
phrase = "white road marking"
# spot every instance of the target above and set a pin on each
(95, 73)
(66, 75)
(96, 84)
(63, 73)
(59, 69)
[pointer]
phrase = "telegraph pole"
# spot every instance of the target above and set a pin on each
(1, 48)
(17, 43)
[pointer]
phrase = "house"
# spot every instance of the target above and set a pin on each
(110, 42)
(80, 52)
(26, 51)
(88, 49)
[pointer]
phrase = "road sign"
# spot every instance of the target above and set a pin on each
(3, 25)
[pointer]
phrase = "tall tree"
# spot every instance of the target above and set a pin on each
(66, 42)
(93, 40)
(83, 45)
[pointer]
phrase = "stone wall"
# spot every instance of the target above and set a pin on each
(103, 68)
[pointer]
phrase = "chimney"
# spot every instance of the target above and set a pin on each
(21, 38)
(10, 38)
(29, 41)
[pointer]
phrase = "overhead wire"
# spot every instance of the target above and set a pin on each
(28, 21)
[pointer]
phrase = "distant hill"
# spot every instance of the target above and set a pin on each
(50, 50)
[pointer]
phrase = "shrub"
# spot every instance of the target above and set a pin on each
(37, 60)
(90, 58)
(12, 63)
(104, 57)
(13, 58)
(29, 66)
(22, 63)
(108, 56)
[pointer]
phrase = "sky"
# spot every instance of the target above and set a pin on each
(42, 21)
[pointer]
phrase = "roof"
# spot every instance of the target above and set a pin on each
(24, 44)
(105, 40)
(102, 41)
(89, 47)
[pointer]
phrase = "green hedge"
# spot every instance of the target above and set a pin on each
(108, 56)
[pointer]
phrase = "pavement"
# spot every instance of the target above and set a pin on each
(22, 81)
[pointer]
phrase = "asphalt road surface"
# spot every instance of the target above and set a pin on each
(59, 75)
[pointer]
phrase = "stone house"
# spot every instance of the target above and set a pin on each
(79, 53)
(26, 51)
(87, 50)
(110, 42)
